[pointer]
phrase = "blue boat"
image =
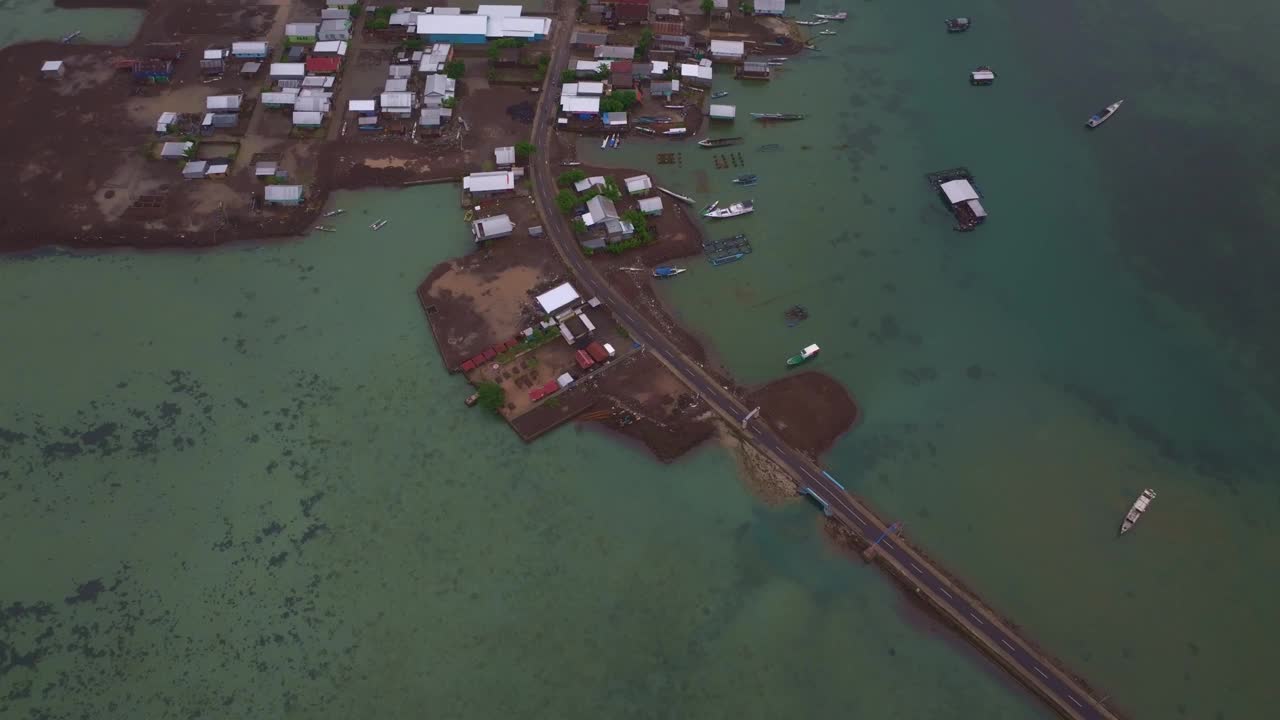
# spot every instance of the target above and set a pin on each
(726, 259)
(667, 271)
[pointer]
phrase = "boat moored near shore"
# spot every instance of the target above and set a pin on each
(777, 116)
(719, 142)
(734, 210)
(805, 356)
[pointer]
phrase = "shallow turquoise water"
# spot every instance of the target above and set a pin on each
(30, 20)
(241, 482)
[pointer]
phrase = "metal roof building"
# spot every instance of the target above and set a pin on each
(615, 52)
(492, 227)
(487, 182)
(651, 205)
(175, 150)
(308, 118)
(639, 184)
(288, 70)
(580, 105)
(557, 298)
(723, 112)
(769, 7)
(224, 103)
(505, 155)
(362, 106)
(728, 49)
(282, 194)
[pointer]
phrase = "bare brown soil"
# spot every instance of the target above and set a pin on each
(809, 410)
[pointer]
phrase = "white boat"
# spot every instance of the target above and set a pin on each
(811, 22)
(1135, 513)
(711, 207)
(676, 131)
(826, 32)
(378, 225)
(1104, 114)
(605, 143)
(333, 213)
(734, 210)
(842, 16)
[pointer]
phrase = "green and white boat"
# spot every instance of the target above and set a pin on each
(804, 356)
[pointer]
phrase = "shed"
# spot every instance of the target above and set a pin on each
(166, 121)
(616, 118)
(491, 228)
(728, 49)
(505, 155)
(651, 205)
(217, 168)
(282, 194)
(755, 69)
(250, 69)
(301, 33)
(368, 122)
(249, 50)
(638, 185)
(194, 170)
(664, 88)
(308, 119)
(52, 69)
(175, 150)
(958, 191)
(335, 14)
(659, 68)
(558, 298)
(434, 117)
(364, 107)
(565, 380)
(723, 112)
(489, 183)
(213, 61)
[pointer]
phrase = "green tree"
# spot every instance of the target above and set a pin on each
(449, 102)
(610, 189)
(626, 97)
(414, 42)
(602, 71)
(748, 7)
(578, 225)
(568, 76)
(566, 201)
(570, 177)
(646, 41)
(454, 69)
(491, 396)
(707, 6)
(524, 150)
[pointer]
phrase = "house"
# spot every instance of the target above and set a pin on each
(651, 205)
(433, 60)
(318, 82)
(559, 298)
(400, 72)
(755, 70)
(728, 50)
(217, 168)
(492, 228)
(489, 184)
(363, 107)
(614, 119)
(330, 47)
(334, 14)
(223, 103)
(615, 52)
(396, 85)
(588, 88)
(583, 40)
(309, 119)
(327, 65)
(397, 104)
(674, 43)
(439, 87)
(696, 74)
(218, 121)
(194, 170)
(525, 28)
(434, 118)
(638, 185)
(368, 122)
(616, 230)
(769, 7)
(288, 71)
(250, 69)
(213, 62)
(166, 121)
(659, 69)
(311, 103)
(340, 4)
(334, 30)
(295, 54)
(250, 50)
(265, 168)
(629, 10)
(282, 194)
(620, 74)
(591, 68)
(580, 106)
(599, 209)
(301, 33)
(176, 150)
(668, 27)
(723, 112)
(586, 184)
(575, 327)
(456, 29)
(505, 156)
(280, 99)
(664, 88)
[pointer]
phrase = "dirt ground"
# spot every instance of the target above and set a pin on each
(809, 410)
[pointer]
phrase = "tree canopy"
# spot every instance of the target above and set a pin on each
(491, 396)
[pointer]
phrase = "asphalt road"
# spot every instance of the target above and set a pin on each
(1065, 695)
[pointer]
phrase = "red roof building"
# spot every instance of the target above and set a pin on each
(489, 354)
(478, 360)
(597, 352)
(324, 65)
(468, 366)
(630, 10)
(584, 360)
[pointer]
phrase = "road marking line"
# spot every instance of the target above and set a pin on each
(944, 592)
(1006, 643)
(888, 544)
(1037, 668)
(1074, 700)
(917, 567)
(975, 617)
(860, 522)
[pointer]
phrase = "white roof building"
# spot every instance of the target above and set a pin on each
(658, 67)
(288, 70)
(362, 106)
(223, 103)
(308, 118)
(396, 85)
(690, 71)
(282, 193)
(330, 47)
(518, 27)
(769, 7)
(489, 181)
(505, 155)
(280, 98)
(578, 104)
(396, 102)
(557, 298)
(591, 65)
(500, 10)
(586, 184)
(651, 205)
(303, 30)
(166, 119)
(638, 184)
(214, 54)
(723, 112)
(312, 104)
(492, 227)
(568, 89)
(437, 24)
(733, 49)
(590, 88)
(958, 191)
(249, 49)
